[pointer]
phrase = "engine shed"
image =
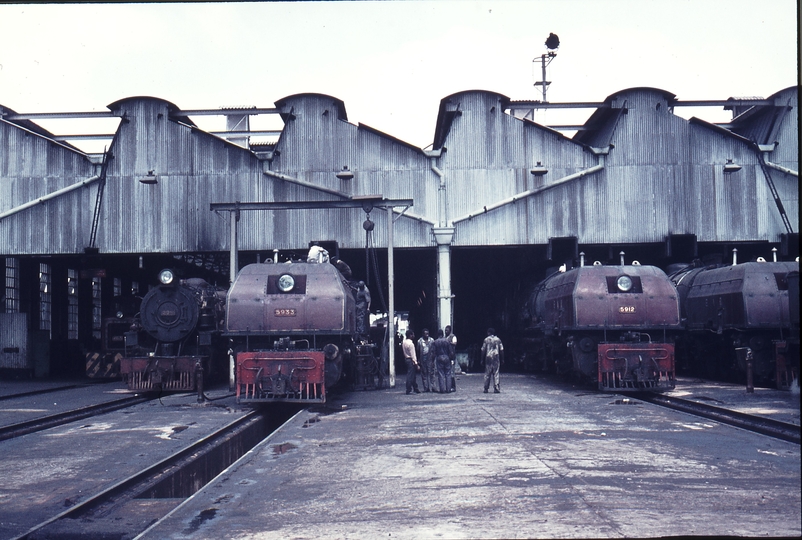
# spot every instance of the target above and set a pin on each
(499, 201)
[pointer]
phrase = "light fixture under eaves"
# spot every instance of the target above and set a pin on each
(149, 178)
(345, 174)
(731, 167)
(539, 170)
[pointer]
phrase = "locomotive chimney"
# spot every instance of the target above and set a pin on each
(622, 258)
(275, 256)
(581, 258)
(774, 254)
(734, 256)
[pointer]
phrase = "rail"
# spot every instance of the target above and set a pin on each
(46, 422)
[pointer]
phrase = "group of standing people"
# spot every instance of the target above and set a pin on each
(434, 358)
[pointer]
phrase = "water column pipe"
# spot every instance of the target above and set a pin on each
(443, 235)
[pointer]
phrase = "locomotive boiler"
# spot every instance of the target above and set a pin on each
(614, 325)
(295, 332)
(175, 341)
(738, 315)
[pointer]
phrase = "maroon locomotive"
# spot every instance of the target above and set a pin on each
(294, 330)
(741, 313)
(614, 325)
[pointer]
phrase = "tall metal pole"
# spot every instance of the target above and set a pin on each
(390, 293)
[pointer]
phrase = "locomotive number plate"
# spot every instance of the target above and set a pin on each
(626, 309)
(284, 312)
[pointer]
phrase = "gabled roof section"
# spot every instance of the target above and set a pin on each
(450, 109)
(33, 127)
(283, 103)
(718, 129)
(761, 123)
(389, 137)
(600, 127)
(173, 110)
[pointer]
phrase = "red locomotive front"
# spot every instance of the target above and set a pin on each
(293, 326)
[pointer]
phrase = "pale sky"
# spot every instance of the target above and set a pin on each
(390, 62)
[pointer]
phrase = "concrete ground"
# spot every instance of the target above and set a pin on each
(539, 460)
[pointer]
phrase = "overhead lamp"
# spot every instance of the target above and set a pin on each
(345, 174)
(149, 178)
(731, 167)
(539, 170)
(552, 42)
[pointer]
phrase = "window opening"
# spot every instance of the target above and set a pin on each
(96, 311)
(72, 304)
(45, 298)
(12, 285)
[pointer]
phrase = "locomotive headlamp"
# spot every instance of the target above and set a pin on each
(120, 314)
(166, 277)
(285, 283)
(624, 283)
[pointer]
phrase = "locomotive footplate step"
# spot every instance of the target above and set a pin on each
(540, 459)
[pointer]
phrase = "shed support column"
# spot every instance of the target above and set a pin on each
(444, 236)
(391, 293)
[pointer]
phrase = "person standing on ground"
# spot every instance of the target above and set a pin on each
(452, 341)
(408, 347)
(493, 354)
(442, 357)
(428, 374)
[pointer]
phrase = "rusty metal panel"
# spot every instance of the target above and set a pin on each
(14, 341)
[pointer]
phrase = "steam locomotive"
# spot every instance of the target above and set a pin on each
(614, 325)
(175, 342)
(739, 315)
(297, 329)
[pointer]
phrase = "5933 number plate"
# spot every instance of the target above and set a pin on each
(284, 312)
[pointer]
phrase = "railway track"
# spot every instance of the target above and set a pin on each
(53, 420)
(50, 390)
(171, 480)
(758, 424)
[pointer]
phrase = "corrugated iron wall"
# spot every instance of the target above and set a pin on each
(661, 175)
(31, 167)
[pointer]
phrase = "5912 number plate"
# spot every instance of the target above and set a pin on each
(284, 312)
(626, 309)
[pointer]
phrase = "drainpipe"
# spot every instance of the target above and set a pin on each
(443, 235)
(48, 197)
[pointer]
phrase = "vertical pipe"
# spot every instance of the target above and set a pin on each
(234, 217)
(390, 293)
(444, 236)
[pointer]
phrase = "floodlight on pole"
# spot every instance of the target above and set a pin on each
(552, 44)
